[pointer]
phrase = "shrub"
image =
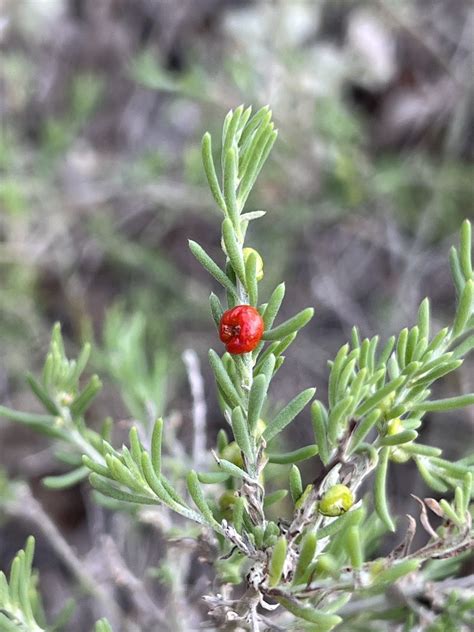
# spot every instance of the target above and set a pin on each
(314, 569)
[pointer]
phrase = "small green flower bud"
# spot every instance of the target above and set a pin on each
(232, 453)
(397, 454)
(259, 265)
(227, 503)
(336, 501)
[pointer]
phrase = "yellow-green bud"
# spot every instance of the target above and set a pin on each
(260, 428)
(336, 501)
(387, 403)
(232, 453)
(394, 426)
(226, 503)
(397, 454)
(259, 262)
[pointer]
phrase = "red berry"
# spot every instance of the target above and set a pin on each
(241, 329)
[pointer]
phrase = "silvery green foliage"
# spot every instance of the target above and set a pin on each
(18, 597)
(315, 569)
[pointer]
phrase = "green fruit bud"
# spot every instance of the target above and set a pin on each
(259, 261)
(397, 454)
(260, 428)
(336, 501)
(232, 453)
(227, 500)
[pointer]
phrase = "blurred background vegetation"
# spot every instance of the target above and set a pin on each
(103, 105)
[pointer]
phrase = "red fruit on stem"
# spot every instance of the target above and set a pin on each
(241, 329)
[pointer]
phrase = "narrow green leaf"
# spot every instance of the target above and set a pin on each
(401, 347)
(103, 625)
(222, 440)
(378, 396)
(438, 373)
(257, 395)
(325, 622)
(456, 271)
(295, 456)
(209, 168)
(465, 250)
(354, 547)
(457, 470)
(465, 308)
(232, 470)
(197, 495)
(337, 417)
(230, 188)
(156, 441)
(363, 428)
(394, 573)
(396, 411)
(371, 354)
(459, 502)
(136, 447)
(277, 347)
(157, 486)
(277, 561)
(254, 149)
(213, 269)
(424, 318)
(122, 474)
(216, 309)
(380, 494)
(289, 326)
(386, 351)
(305, 557)
(467, 491)
(241, 432)
(251, 278)
(98, 468)
(440, 405)
(430, 478)
(346, 374)
(275, 497)
(450, 513)
(66, 480)
(393, 368)
(45, 424)
(234, 250)
(411, 344)
(464, 348)
(104, 486)
(335, 372)
(238, 514)
(41, 393)
(248, 217)
(256, 163)
(84, 399)
(223, 379)
(273, 306)
(229, 138)
(422, 450)
(355, 337)
(296, 484)
(212, 478)
(434, 364)
(257, 119)
(437, 341)
(400, 438)
(319, 420)
(364, 354)
(288, 413)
